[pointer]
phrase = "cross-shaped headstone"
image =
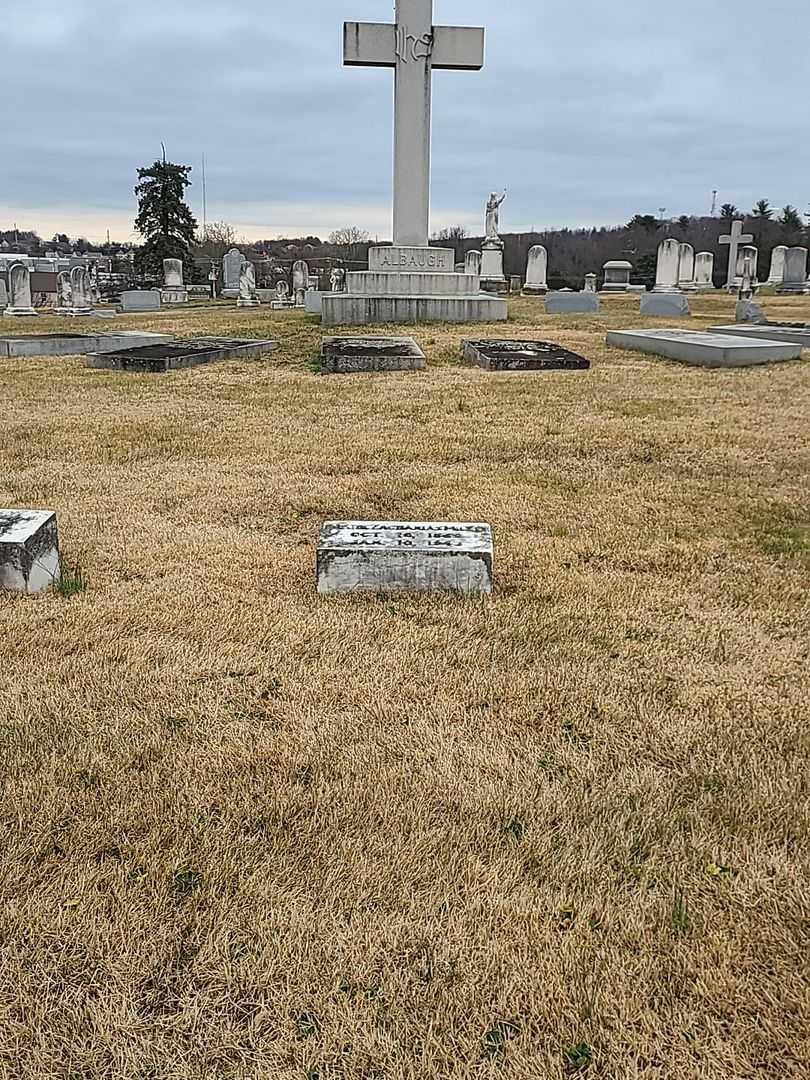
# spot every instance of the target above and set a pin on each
(414, 47)
(737, 237)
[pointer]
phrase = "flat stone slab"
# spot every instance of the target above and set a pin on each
(345, 309)
(76, 344)
(344, 355)
(404, 557)
(180, 354)
(667, 305)
(704, 349)
(29, 550)
(500, 354)
(798, 334)
(565, 303)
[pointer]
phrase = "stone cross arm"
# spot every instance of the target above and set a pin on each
(453, 48)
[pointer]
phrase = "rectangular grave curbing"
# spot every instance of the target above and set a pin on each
(405, 557)
(501, 354)
(704, 349)
(77, 344)
(29, 550)
(348, 355)
(176, 355)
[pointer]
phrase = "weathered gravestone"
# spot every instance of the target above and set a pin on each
(247, 286)
(734, 239)
(668, 267)
(19, 289)
(231, 271)
(777, 274)
(29, 550)
(300, 278)
(794, 279)
(686, 267)
(472, 263)
(396, 556)
(617, 276)
(537, 271)
(80, 306)
(704, 271)
(173, 291)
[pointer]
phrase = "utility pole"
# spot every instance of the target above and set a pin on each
(205, 202)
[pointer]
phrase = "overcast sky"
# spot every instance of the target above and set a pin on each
(587, 111)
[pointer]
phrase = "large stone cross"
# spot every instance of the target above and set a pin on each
(413, 47)
(737, 237)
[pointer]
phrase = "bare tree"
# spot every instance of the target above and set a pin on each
(218, 238)
(348, 236)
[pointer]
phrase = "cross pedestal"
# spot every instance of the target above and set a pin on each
(734, 241)
(412, 281)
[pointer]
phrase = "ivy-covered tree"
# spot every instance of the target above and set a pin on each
(164, 218)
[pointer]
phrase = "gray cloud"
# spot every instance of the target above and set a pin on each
(587, 113)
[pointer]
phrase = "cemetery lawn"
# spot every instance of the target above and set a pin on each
(247, 832)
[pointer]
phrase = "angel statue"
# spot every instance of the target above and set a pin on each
(493, 217)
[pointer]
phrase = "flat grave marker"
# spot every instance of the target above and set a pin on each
(704, 349)
(799, 334)
(501, 354)
(76, 344)
(175, 355)
(347, 355)
(405, 557)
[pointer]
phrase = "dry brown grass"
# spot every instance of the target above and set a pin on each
(246, 832)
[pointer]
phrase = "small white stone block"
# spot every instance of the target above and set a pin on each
(29, 550)
(405, 557)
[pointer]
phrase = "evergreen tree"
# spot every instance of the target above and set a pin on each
(762, 210)
(164, 218)
(729, 212)
(792, 225)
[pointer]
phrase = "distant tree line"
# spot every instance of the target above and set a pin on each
(170, 230)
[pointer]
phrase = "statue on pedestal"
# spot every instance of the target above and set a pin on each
(493, 216)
